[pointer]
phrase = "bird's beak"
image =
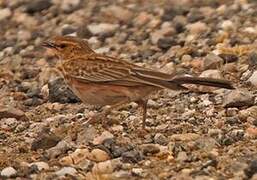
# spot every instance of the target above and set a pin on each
(49, 45)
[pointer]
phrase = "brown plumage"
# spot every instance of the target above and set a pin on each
(102, 80)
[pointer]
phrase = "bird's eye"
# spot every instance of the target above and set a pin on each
(62, 46)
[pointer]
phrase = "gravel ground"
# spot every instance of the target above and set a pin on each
(191, 135)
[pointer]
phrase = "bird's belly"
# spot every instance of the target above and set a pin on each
(106, 94)
(97, 94)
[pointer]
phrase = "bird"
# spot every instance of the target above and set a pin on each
(102, 80)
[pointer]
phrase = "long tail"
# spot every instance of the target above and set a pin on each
(203, 81)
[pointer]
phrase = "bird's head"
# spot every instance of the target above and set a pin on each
(66, 47)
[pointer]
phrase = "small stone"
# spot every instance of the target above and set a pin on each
(66, 161)
(40, 165)
(253, 78)
(102, 28)
(197, 28)
(211, 61)
(8, 172)
(138, 171)
(67, 5)
(142, 19)
(251, 132)
(79, 155)
(182, 156)
(251, 170)
(131, 156)
(211, 73)
(5, 14)
(117, 128)
(195, 15)
(171, 12)
(149, 149)
(252, 59)
(229, 58)
(61, 148)
(161, 37)
(9, 112)
(98, 155)
(106, 167)
(249, 112)
(227, 25)
(60, 92)
(100, 139)
(206, 144)
(160, 139)
(76, 157)
(37, 6)
(119, 13)
(45, 140)
(66, 171)
(238, 98)
(185, 137)
(166, 43)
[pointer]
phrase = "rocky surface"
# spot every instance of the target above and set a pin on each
(190, 135)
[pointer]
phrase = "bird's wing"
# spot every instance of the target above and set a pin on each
(104, 69)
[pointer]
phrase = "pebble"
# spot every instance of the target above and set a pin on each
(60, 92)
(162, 34)
(10, 112)
(119, 13)
(252, 59)
(184, 137)
(76, 157)
(149, 149)
(8, 172)
(45, 140)
(98, 155)
(182, 156)
(5, 13)
(227, 25)
(253, 78)
(100, 139)
(142, 19)
(37, 6)
(160, 139)
(251, 132)
(229, 58)
(132, 156)
(212, 61)
(67, 5)
(102, 28)
(61, 148)
(251, 170)
(106, 167)
(197, 28)
(238, 98)
(138, 172)
(40, 165)
(66, 171)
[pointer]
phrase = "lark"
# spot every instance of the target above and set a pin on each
(102, 80)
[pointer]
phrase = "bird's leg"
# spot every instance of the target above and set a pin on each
(105, 112)
(143, 104)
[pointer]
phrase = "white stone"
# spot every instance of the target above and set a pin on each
(105, 135)
(8, 172)
(102, 28)
(253, 78)
(66, 170)
(197, 27)
(5, 13)
(227, 25)
(40, 165)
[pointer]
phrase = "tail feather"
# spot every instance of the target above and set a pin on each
(203, 81)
